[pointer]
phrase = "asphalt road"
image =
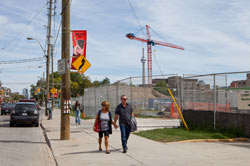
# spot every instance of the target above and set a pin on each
(23, 145)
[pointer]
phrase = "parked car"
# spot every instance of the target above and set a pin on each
(30, 100)
(6, 108)
(24, 113)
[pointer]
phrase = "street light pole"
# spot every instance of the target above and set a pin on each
(30, 38)
(48, 58)
(44, 53)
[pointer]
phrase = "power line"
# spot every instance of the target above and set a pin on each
(136, 17)
(63, 9)
(158, 64)
(24, 27)
(162, 38)
(59, 28)
(22, 67)
(22, 60)
(18, 83)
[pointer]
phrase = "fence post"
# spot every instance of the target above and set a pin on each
(182, 96)
(108, 93)
(95, 97)
(117, 93)
(130, 85)
(214, 104)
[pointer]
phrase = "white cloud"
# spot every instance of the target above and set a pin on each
(214, 34)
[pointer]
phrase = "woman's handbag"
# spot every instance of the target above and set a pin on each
(97, 127)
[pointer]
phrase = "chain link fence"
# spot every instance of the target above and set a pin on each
(216, 92)
(221, 92)
(147, 100)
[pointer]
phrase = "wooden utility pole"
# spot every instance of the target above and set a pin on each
(65, 84)
(52, 71)
(48, 57)
(43, 89)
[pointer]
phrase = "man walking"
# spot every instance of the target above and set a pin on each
(125, 112)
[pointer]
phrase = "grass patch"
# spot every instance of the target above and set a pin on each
(181, 134)
(145, 116)
(72, 113)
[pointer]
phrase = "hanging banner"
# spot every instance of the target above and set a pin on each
(79, 38)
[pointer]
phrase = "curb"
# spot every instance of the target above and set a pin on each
(214, 140)
(48, 142)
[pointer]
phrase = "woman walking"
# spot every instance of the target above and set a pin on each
(77, 108)
(104, 122)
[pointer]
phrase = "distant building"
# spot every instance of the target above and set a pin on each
(191, 84)
(241, 83)
(175, 84)
(25, 93)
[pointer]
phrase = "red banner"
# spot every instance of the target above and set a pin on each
(79, 38)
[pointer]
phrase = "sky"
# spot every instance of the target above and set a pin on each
(215, 35)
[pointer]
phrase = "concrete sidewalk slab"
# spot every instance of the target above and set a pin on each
(82, 149)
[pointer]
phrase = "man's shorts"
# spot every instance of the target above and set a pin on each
(106, 133)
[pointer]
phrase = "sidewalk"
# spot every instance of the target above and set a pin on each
(82, 149)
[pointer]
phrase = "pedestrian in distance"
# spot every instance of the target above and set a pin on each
(77, 108)
(49, 109)
(104, 122)
(125, 112)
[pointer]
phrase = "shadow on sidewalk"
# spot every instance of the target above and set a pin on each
(92, 151)
(239, 144)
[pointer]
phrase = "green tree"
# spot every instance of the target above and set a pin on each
(105, 81)
(96, 83)
(17, 97)
(78, 83)
(161, 84)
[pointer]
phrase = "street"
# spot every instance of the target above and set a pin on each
(23, 145)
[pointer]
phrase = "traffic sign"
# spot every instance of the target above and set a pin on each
(53, 90)
(81, 64)
(38, 90)
(61, 66)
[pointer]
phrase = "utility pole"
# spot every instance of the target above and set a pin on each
(48, 56)
(43, 88)
(52, 70)
(52, 57)
(65, 84)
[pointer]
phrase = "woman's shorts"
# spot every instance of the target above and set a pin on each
(106, 133)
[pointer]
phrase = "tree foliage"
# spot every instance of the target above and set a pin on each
(78, 83)
(161, 84)
(105, 81)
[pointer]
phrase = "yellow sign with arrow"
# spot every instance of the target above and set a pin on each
(81, 64)
(53, 90)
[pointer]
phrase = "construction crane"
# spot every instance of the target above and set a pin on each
(151, 43)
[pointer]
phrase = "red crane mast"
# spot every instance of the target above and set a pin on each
(151, 43)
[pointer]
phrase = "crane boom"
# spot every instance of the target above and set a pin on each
(168, 44)
(151, 43)
(131, 36)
